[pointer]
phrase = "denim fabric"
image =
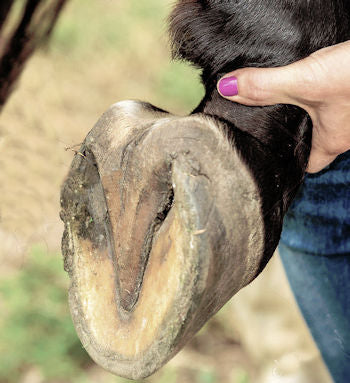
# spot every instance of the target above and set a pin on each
(315, 251)
(318, 220)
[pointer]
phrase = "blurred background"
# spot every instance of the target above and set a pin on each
(101, 52)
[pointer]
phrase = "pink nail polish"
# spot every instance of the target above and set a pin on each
(228, 86)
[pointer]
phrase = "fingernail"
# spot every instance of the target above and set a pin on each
(228, 86)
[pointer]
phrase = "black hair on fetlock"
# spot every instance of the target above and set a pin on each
(219, 36)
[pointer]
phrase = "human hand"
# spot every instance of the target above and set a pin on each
(320, 84)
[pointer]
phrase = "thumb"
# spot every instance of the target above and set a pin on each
(261, 86)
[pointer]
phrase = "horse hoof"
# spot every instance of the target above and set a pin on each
(163, 225)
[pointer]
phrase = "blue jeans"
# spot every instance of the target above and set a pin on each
(315, 251)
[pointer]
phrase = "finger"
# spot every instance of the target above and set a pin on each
(319, 160)
(261, 86)
(328, 141)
